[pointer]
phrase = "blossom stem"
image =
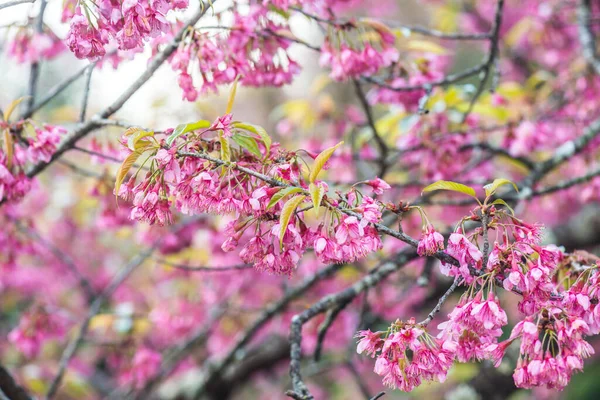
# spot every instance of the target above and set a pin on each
(441, 301)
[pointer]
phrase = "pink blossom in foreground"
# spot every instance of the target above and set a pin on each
(431, 242)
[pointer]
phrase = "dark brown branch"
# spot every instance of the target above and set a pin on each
(491, 58)
(299, 387)
(9, 387)
(269, 312)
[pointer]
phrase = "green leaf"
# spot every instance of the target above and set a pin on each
(502, 202)
(225, 148)
(320, 162)
(247, 143)
(282, 193)
(257, 130)
(185, 128)
(492, 187)
(316, 194)
(134, 139)
(286, 214)
(453, 186)
(132, 130)
(232, 93)
(12, 106)
(8, 147)
(124, 169)
(283, 13)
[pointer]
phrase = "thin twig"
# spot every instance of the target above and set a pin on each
(378, 396)
(174, 355)
(565, 184)
(383, 148)
(447, 80)
(439, 304)
(358, 379)
(35, 66)
(86, 92)
(486, 240)
(15, 3)
(206, 268)
(560, 155)
(81, 171)
(490, 62)
(56, 90)
(324, 328)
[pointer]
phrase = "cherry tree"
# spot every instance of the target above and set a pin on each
(429, 202)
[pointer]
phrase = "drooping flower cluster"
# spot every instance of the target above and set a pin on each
(35, 328)
(347, 62)
(129, 23)
(14, 182)
(474, 325)
(268, 237)
(552, 349)
(254, 48)
(559, 298)
(28, 47)
(468, 256)
(431, 242)
(408, 355)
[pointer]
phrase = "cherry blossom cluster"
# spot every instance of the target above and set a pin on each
(35, 328)
(25, 150)
(94, 25)
(196, 185)
(28, 47)
(364, 59)
(558, 304)
(408, 355)
(253, 47)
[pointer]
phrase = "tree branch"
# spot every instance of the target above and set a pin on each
(586, 36)
(269, 312)
(299, 387)
(91, 125)
(15, 3)
(98, 302)
(35, 66)
(383, 148)
(86, 92)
